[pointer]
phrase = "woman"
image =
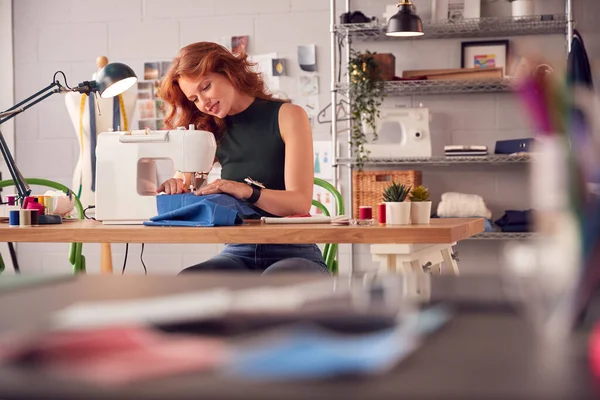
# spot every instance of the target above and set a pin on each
(258, 136)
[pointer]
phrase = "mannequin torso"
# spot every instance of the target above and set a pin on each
(78, 108)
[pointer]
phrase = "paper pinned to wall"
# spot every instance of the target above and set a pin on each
(264, 65)
(322, 159)
(310, 105)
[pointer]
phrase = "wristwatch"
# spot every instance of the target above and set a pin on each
(256, 188)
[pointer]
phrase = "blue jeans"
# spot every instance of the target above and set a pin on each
(265, 258)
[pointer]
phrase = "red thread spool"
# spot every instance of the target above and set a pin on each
(381, 213)
(365, 212)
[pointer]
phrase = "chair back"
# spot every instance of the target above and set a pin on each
(76, 257)
(330, 249)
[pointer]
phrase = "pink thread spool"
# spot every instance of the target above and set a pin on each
(11, 199)
(365, 212)
(381, 213)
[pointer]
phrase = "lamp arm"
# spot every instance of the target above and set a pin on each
(14, 110)
(22, 187)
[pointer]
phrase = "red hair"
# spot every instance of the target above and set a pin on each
(196, 60)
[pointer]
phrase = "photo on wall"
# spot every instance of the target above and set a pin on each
(485, 54)
(239, 44)
(151, 70)
(278, 65)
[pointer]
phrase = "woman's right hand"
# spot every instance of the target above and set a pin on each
(172, 186)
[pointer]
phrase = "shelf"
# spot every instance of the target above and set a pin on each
(503, 236)
(441, 161)
(407, 88)
(475, 27)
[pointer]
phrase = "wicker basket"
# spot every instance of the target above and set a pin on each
(368, 186)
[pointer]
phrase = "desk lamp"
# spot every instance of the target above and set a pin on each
(112, 80)
(405, 23)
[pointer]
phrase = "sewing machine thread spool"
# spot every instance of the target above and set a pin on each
(10, 199)
(13, 218)
(35, 215)
(381, 213)
(365, 212)
(24, 218)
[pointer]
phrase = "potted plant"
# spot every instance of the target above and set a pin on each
(366, 96)
(397, 210)
(420, 209)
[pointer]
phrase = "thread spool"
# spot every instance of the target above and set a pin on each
(381, 213)
(11, 199)
(13, 218)
(35, 215)
(28, 199)
(365, 212)
(24, 218)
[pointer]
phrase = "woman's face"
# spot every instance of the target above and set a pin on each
(212, 94)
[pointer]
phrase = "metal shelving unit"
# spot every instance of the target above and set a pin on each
(475, 27)
(407, 88)
(504, 236)
(441, 161)
(481, 27)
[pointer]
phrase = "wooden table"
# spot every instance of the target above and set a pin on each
(485, 352)
(401, 244)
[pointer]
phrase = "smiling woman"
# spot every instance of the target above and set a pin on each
(258, 136)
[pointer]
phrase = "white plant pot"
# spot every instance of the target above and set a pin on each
(397, 213)
(420, 212)
(523, 8)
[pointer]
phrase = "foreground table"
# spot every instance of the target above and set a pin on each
(399, 247)
(487, 351)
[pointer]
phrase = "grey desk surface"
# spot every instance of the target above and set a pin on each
(488, 353)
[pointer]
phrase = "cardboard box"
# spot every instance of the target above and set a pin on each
(387, 65)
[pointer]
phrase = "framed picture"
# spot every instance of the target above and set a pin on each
(485, 54)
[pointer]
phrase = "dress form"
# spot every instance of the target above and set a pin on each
(82, 175)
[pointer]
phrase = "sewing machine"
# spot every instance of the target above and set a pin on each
(403, 132)
(130, 166)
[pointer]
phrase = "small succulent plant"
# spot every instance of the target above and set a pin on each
(420, 193)
(396, 192)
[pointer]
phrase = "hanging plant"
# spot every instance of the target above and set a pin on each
(366, 96)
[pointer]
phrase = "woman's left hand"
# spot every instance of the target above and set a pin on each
(240, 191)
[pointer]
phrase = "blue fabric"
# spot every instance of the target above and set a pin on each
(488, 226)
(308, 352)
(187, 209)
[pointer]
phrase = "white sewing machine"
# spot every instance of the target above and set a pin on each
(403, 132)
(130, 166)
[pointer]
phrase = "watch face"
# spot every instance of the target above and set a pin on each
(252, 182)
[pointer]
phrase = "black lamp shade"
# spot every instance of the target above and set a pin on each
(114, 79)
(404, 23)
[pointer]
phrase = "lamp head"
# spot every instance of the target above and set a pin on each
(405, 23)
(114, 79)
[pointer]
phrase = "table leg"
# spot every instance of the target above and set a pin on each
(449, 260)
(106, 266)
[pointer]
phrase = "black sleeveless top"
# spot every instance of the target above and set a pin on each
(251, 146)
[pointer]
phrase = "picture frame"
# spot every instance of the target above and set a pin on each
(485, 54)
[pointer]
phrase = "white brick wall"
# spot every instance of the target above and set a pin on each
(70, 34)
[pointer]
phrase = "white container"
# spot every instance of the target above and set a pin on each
(397, 213)
(523, 8)
(420, 212)
(455, 10)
